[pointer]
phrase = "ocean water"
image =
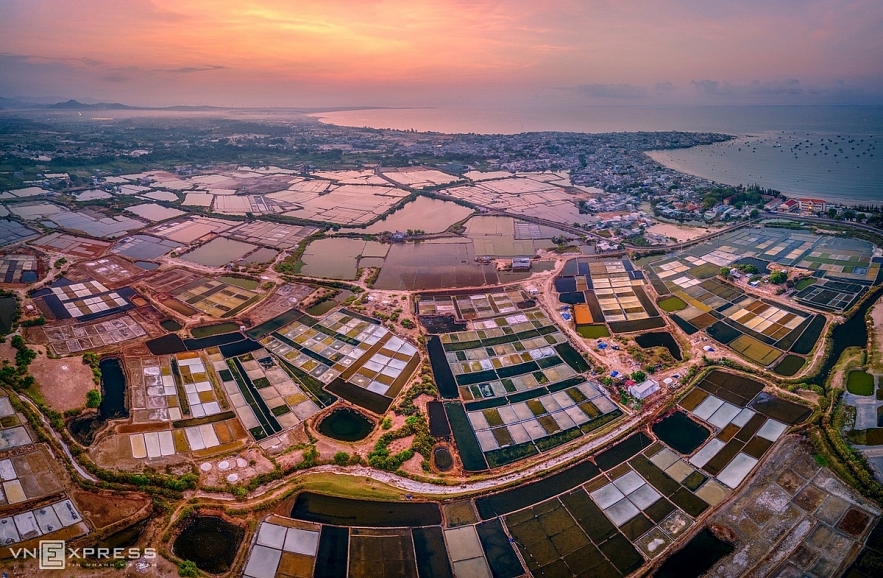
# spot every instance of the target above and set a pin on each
(781, 147)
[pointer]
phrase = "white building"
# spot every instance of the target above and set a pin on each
(644, 389)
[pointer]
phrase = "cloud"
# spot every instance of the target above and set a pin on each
(713, 87)
(787, 87)
(191, 69)
(616, 91)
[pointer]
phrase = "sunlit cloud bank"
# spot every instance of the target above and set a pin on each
(422, 52)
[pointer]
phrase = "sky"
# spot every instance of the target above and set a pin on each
(325, 53)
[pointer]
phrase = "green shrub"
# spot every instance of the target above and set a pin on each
(93, 398)
(188, 569)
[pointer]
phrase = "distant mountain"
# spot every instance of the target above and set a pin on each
(77, 105)
(12, 103)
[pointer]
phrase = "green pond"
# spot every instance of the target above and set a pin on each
(209, 330)
(322, 307)
(429, 215)
(860, 383)
(170, 325)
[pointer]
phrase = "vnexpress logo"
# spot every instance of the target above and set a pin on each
(53, 555)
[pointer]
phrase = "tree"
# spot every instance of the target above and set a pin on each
(93, 398)
(341, 458)
(778, 277)
(725, 272)
(639, 376)
(832, 213)
(754, 213)
(188, 569)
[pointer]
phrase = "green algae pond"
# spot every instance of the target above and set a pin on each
(860, 383)
(210, 330)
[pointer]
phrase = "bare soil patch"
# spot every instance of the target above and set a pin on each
(104, 509)
(7, 352)
(63, 382)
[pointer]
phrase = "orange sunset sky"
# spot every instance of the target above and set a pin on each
(419, 52)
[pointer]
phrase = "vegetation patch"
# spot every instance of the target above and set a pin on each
(804, 283)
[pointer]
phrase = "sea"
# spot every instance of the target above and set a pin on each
(829, 152)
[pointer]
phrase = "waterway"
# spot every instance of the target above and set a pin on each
(852, 333)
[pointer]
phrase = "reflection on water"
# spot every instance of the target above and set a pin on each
(429, 215)
(218, 252)
(416, 266)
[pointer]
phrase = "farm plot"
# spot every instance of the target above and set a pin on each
(827, 295)
(519, 380)
(275, 235)
(83, 301)
(145, 247)
(746, 422)
(606, 520)
(152, 390)
(13, 231)
(190, 229)
(352, 205)
(69, 339)
(111, 269)
(72, 245)
(608, 291)
(216, 298)
(27, 476)
(527, 194)
(350, 356)
(18, 268)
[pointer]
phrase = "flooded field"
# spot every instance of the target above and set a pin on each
(434, 265)
(218, 252)
(429, 215)
(337, 258)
